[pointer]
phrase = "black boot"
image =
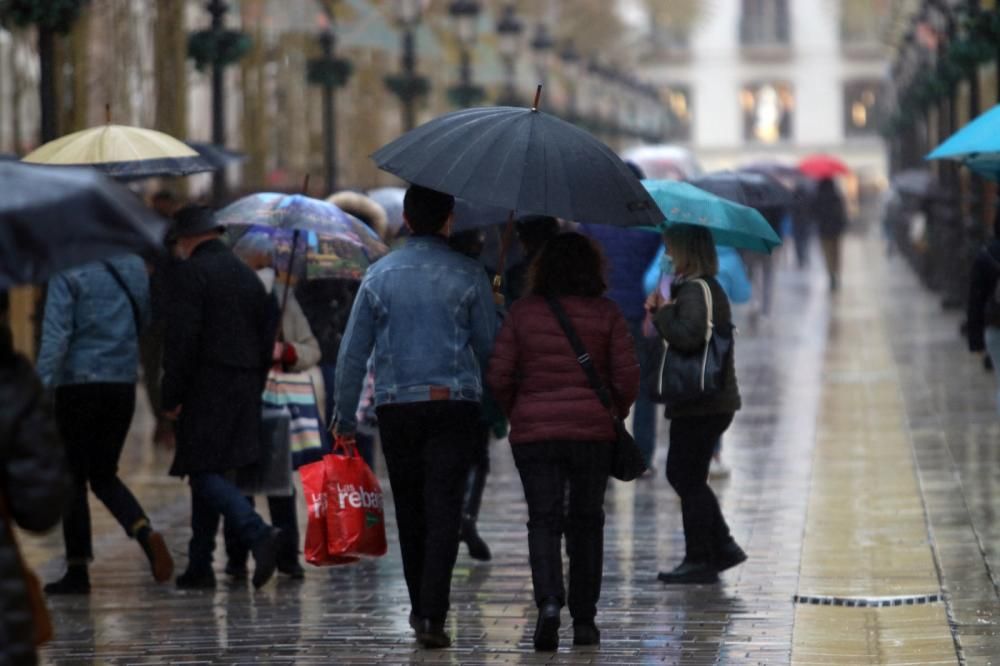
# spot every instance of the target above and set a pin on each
(75, 581)
(265, 557)
(585, 632)
(546, 637)
(478, 549)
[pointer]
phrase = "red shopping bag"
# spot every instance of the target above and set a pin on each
(314, 488)
(355, 519)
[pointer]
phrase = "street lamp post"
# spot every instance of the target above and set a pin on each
(509, 30)
(465, 14)
(408, 86)
(218, 9)
(329, 73)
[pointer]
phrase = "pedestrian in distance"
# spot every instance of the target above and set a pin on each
(561, 435)
(426, 317)
(831, 222)
(298, 351)
(697, 424)
(219, 342)
(34, 487)
(94, 315)
(983, 310)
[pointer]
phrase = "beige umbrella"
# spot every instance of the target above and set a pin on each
(123, 152)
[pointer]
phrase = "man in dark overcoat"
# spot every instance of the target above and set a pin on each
(220, 335)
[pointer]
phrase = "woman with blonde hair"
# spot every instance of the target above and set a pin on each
(697, 424)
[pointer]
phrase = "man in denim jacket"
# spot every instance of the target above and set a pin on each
(425, 315)
(90, 355)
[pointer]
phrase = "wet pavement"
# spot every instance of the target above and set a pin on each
(863, 471)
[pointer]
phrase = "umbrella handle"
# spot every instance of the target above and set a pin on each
(504, 246)
(279, 335)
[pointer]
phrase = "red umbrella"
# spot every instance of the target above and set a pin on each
(823, 166)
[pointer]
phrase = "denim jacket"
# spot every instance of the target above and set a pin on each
(89, 333)
(425, 315)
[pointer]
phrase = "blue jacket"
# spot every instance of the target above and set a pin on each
(426, 317)
(628, 253)
(89, 332)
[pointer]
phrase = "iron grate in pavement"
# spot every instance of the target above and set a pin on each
(867, 602)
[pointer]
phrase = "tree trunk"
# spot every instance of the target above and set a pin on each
(47, 85)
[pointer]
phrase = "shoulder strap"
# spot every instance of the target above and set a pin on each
(707, 291)
(582, 357)
(128, 294)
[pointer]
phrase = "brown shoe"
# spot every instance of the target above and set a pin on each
(160, 561)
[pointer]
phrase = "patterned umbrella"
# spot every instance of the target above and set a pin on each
(333, 243)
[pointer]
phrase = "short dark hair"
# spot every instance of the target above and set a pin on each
(568, 265)
(426, 210)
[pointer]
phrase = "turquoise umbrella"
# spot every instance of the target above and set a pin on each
(731, 224)
(977, 145)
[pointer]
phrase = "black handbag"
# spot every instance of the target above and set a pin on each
(687, 376)
(627, 461)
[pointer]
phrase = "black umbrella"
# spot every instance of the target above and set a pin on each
(217, 156)
(753, 189)
(470, 215)
(521, 160)
(54, 218)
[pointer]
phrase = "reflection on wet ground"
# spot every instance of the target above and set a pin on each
(862, 412)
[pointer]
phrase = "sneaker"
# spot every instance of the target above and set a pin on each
(718, 469)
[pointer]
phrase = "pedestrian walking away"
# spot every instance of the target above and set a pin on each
(221, 326)
(697, 424)
(425, 316)
(831, 222)
(983, 312)
(561, 435)
(89, 354)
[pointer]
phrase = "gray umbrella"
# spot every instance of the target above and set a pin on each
(521, 160)
(754, 189)
(54, 218)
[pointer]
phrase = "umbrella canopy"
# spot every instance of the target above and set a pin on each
(523, 160)
(731, 224)
(54, 219)
(123, 152)
(665, 162)
(756, 190)
(823, 166)
(470, 215)
(217, 156)
(316, 256)
(345, 246)
(977, 145)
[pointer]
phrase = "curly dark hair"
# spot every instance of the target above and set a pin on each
(568, 265)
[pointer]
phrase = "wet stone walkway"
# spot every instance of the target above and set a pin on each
(862, 469)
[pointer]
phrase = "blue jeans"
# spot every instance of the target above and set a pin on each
(992, 338)
(212, 496)
(644, 411)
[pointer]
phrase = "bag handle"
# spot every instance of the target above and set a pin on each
(582, 357)
(709, 323)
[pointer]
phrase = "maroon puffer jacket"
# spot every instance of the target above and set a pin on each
(536, 379)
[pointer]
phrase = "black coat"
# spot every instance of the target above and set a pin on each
(220, 331)
(682, 324)
(34, 484)
(982, 311)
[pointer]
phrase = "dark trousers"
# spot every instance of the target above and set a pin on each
(283, 517)
(213, 495)
(547, 469)
(479, 469)
(692, 442)
(93, 420)
(427, 453)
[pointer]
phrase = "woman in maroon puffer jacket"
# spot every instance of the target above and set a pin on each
(560, 433)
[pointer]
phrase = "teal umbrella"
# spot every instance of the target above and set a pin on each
(977, 145)
(731, 224)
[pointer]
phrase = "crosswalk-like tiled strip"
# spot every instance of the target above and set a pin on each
(866, 536)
